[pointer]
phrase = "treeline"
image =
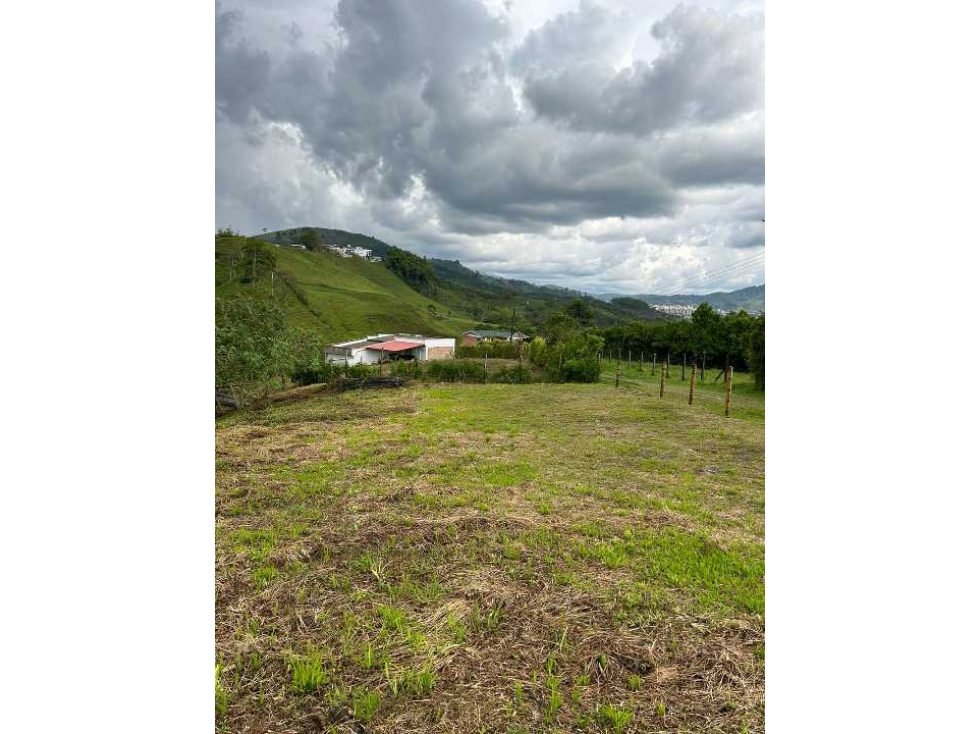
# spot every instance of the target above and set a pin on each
(737, 339)
(415, 271)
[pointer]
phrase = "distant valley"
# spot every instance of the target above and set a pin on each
(751, 299)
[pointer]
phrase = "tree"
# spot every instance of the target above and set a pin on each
(226, 232)
(737, 329)
(257, 260)
(415, 271)
(250, 345)
(559, 327)
(756, 352)
(311, 239)
(581, 312)
(705, 326)
(253, 346)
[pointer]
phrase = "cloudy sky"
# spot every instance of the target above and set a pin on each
(613, 146)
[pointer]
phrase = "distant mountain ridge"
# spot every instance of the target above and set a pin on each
(751, 299)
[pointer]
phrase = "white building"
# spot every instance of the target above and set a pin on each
(348, 251)
(389, 347)
(674, 309)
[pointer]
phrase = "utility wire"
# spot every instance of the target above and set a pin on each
(746, 268)
(730, 266)
(731, 269)
(712, 274)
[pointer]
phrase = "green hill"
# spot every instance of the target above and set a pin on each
(334, 297)
(328, 236)
(348, 297)
(496, 300)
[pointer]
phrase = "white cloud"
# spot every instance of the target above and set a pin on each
(412, 122)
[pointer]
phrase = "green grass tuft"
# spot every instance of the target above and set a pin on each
(365, 704)
(307, 672)
(613, 719)
(220, 695)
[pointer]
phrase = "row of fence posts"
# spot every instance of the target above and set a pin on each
(664, 374)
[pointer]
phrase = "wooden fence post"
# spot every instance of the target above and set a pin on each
(693, 380)
(662, 378)
(654, 363)
(667, 364)
(618, 369)
(728, 379)
(630, 358)
(641, 355)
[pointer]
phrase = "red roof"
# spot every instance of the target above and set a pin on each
(395, 345)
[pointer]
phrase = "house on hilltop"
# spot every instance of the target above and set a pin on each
(390, 347)
(471, 338)
(349, 251)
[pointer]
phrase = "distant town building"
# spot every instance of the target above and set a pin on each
(674, 309)
(686, 312)
(348, 251)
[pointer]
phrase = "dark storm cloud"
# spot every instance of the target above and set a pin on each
(447, 126)
(240, 72)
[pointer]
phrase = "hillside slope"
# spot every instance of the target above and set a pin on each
(468, 294)
(334, 297)
(328, 236)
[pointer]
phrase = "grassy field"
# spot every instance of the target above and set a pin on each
(493, 558)
(345, 298)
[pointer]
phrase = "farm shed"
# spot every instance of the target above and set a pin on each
(471, 338)
(387, 347)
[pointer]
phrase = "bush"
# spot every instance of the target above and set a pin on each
(455, 371)
(583, 369)
(252, 345)
(313, 374)
(536, 350)
(359, 371)
(518, 375)
(407, 368)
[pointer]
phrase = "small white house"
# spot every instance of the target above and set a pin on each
(390, 347)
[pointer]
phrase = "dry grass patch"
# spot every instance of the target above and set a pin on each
(482, 558)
